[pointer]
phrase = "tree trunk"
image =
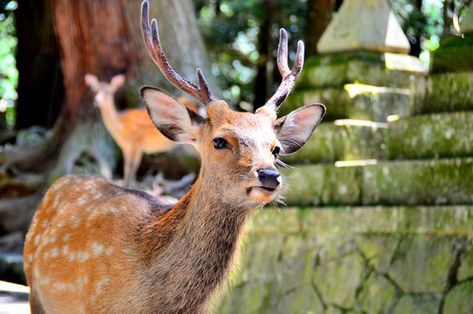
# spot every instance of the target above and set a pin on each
(416, 48)
(264, 38)
(40, 89)
(103, 38)
(319, 16)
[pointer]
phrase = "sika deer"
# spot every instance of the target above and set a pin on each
(97, 248)
(132, 129)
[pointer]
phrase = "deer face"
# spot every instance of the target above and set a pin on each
(104, 90)
(239, 150)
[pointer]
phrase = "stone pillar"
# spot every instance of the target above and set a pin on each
(364, 71)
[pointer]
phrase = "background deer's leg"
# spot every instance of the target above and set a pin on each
(134, 164)
(126, 168)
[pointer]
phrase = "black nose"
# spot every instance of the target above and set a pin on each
(269, 178)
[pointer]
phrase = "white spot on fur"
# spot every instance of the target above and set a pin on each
(36, 239)
(65, 249)
(98, 248)
(71, 257)
(54, 252)
(66, 237)
(82, 256)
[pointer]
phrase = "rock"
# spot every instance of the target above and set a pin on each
(441, 135)
(460, 299)
(418, 304)
(448, 92)
(364, 25)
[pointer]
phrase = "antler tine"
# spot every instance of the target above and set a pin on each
(282, 54)
(289, 76)
(153, 46)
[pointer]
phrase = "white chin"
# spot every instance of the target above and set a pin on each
(260, 195)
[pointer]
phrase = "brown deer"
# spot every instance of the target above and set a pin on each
(97, 248)
(132, 129)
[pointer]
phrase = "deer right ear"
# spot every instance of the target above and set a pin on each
(173, 119)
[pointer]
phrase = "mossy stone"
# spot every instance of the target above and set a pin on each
(448, 92)
(460, 299)
(448, 181)
(431, 136)
(377, 294)
(322, 185)
(454, 54)
(418, 304)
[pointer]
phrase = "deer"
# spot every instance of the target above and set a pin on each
(132, 129)
(94, 247)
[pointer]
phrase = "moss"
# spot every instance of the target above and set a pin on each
(335, 99)
(460, 299)
(323, 185)
(331, 142)
(377, 294)
(431, 136)
(340, 255)
(338, 279)
(335, 70)
(448, 181)
(454, 54)
(421, 263)
(448, 92)
(417, 304)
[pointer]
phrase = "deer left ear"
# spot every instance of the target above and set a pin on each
(295, 129)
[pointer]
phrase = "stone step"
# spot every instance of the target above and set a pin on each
(442, 135)
(354, 101)
(371, 182)
(361, 259)
(446, 92)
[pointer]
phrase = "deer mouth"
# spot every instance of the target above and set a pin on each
(264, 189)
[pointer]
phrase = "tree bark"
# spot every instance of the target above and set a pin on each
(40, 89)
(104, 38)
(319, 16)
(264, 46)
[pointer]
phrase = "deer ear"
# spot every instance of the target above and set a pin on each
(91, 81)
(117, 81)
(173, 119)
(295, 129)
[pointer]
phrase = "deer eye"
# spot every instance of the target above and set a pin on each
(220, 143)
(276, 151)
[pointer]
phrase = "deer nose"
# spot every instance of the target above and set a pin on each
(270, 178)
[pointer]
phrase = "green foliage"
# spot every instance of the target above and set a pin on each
(8, 71)
(230, 30)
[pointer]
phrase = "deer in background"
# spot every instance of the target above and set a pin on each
(94, 247)
(132, 129)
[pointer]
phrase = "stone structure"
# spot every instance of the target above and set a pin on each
(382, 222)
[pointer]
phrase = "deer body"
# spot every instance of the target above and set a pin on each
(126, 252)
(97, 248)
(132, 129)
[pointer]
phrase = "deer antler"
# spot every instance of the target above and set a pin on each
(153, 45)
(289, 76)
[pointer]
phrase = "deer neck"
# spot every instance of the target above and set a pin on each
(110, 115)
(192, 247)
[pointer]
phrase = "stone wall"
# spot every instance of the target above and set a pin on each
(356, 260)
(381, 216)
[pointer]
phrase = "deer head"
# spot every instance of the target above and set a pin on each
(104, 90)
(239, 150)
